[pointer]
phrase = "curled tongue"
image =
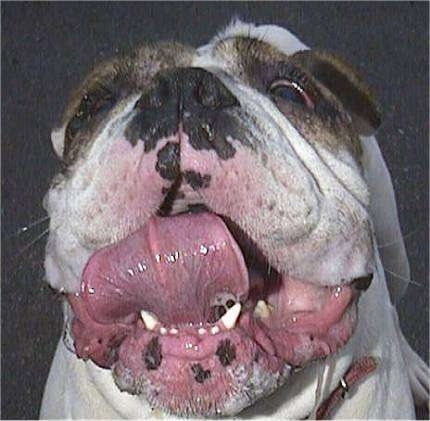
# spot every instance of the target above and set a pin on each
(174, 267)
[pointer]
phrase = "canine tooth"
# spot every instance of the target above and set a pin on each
(262, 309)
(149, 320)
(163, 330)
(173, 331)
(214, 330)
(229, 319)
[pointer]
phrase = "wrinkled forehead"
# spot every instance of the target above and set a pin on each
(250, 61)
(135, 71)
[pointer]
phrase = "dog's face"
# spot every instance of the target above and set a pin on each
(210, 226)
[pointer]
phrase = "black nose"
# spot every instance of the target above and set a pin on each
(187, 89)
(190, 96)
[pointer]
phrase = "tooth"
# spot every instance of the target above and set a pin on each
(202, 331)
(229, 319)
(149, 320)
(262, 309)
(173, 331)
(214, 330)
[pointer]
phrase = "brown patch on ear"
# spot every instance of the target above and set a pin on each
(344, 81)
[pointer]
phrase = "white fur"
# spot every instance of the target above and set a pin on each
(76, 389)
(274, 35)
(57, 138)
(384, 214)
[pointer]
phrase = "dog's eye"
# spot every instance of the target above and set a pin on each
(93, 107)
(292, 92)
(91, 104)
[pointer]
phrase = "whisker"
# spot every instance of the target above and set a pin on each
(402, 277)
(27, 227)
(32, 243)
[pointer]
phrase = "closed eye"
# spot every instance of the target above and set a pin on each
(92, 104)
(93, 107)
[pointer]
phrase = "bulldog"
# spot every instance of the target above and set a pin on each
(215, 232)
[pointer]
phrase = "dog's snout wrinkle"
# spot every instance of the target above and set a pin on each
(190, 99)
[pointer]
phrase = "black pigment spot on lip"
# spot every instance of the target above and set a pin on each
(152, 354)
(230, 303)
(200, 374)
(196, 180)
(168, 161)
(216, 312)
(226, 352)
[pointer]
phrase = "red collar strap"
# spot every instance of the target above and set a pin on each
(356, 373)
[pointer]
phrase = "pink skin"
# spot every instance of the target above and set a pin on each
(307, 321)
(182, 259)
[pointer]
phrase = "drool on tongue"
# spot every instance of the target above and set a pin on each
(173, 267)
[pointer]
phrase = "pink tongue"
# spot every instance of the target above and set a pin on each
(173, 267)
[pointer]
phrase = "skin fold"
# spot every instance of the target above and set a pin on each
(213, 233)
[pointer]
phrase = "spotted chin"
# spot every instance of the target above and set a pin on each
(246, 385)
(190, 318)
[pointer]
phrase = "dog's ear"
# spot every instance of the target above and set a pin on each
(57, 139)
(344, 81)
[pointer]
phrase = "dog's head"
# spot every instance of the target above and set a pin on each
(210, 227)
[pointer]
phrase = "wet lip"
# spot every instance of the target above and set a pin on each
(186, 313)
(257, 300)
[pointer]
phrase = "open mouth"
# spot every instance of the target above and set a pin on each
(188, 312)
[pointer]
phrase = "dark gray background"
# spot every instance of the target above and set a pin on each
(47, 48)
